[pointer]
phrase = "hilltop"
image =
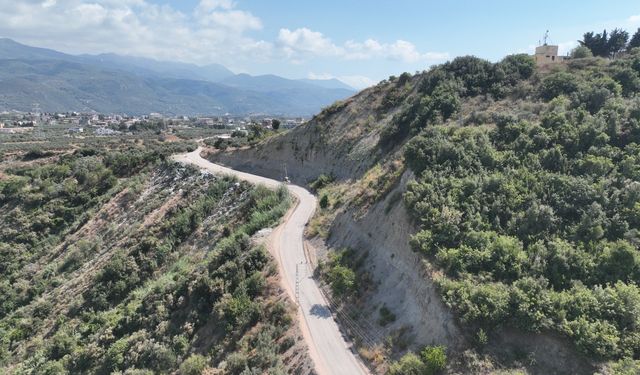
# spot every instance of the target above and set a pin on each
(488, 207)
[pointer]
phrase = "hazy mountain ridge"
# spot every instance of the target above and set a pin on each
(56, 81)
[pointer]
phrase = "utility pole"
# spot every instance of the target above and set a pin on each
(286, 176)
(298, 283)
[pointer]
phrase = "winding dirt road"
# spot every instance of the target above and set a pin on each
(329, 350)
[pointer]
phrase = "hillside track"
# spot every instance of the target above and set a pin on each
(330, 351)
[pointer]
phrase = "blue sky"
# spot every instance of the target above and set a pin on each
(357, 41)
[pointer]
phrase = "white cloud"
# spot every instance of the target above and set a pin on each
(206, 6)
(233, 19)
(634, 19)
(305, 41)
(48, 3)
(313, 75)
(213, 31)
(301, 43)
(216, 31)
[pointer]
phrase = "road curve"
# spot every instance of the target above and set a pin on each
(330, 352)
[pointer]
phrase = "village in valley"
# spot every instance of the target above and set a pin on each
(77, 123)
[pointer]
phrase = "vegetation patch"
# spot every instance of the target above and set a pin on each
(163, 286)
(431, 360)
(535, 222)
(344, 273)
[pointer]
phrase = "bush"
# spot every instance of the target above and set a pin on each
(322, 181)
(61, 344)
(36, 154)
(518, 216)
(434, 358)
(342, 280)
(560, 83)
(581, 52)
(409, 364)
(474, 73)
(236, 363)
(194, 365)
(324, 201)
(404, 78)
(386, 316)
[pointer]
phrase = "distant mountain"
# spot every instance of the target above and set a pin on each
(57, 85)
(328, 83)
(267, 82)
(112, 83)
(10, 49)
(141, 65)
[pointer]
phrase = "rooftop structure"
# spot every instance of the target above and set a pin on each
(547, 53)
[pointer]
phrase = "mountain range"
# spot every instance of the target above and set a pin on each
(110, 83)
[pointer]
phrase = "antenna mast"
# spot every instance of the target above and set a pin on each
(546, 37)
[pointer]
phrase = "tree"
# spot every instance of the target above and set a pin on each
(404, 78)
(517, 67)
(342, 280)
(635, 40)
(275, 124)
(597, 43)
(473, 72)
(604, 45)
(581, 52)
(617, 42)
(620, 262)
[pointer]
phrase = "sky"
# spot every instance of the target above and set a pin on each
(359, 42)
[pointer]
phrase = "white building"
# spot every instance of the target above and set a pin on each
(106, 131)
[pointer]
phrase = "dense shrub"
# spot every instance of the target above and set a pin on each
(434, 358)
(431, 361)
(194, 365)
(535, 223)
(409, 364)
(560, 83)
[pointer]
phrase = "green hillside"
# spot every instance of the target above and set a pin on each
(530, 204)
(522, 184)
(119, 261)
(535, 220)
